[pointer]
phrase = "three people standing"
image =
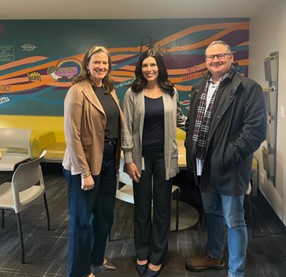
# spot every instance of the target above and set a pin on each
(226, 124)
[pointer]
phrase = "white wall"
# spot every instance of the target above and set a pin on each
(267, 34)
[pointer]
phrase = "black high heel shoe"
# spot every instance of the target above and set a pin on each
(141, 268)
(152, 273)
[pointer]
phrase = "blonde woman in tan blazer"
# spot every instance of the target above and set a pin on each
(93, 122)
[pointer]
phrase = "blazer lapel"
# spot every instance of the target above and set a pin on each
(92, 98)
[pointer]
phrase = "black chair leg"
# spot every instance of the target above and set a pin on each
(253, 220)
(21, 237)
(3, 219)
(250, 213)
(177, 210)
(47, 211)
(204, 220)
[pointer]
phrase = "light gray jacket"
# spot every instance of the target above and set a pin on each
(134, 113)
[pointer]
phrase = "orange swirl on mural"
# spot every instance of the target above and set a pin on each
(123, 60)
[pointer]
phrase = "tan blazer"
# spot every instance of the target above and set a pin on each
(84, 125)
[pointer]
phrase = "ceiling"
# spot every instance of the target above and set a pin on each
(127, 9)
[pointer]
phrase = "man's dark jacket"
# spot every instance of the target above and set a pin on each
(237, 128)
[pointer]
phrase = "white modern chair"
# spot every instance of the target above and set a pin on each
(26, 187)
(16, 147)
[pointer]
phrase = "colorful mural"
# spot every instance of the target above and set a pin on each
(38, 59)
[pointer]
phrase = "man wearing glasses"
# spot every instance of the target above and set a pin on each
(226, 124)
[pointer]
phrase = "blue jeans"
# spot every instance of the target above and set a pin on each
(226, 210)
(90, 216)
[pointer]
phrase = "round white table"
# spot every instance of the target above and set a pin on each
(188, 216)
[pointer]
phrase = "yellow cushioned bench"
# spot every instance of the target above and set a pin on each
(47, 140)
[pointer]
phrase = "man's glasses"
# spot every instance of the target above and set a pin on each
(219, 56)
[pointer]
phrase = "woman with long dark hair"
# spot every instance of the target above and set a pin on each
(151, 116)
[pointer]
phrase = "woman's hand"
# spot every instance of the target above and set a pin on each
(87, 183)
(133, 172)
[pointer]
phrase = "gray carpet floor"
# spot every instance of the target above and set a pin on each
(46, 251)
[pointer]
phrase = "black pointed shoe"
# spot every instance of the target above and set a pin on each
(141, 268)
(152, 273)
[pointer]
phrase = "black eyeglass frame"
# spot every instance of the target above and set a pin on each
(220, 56)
